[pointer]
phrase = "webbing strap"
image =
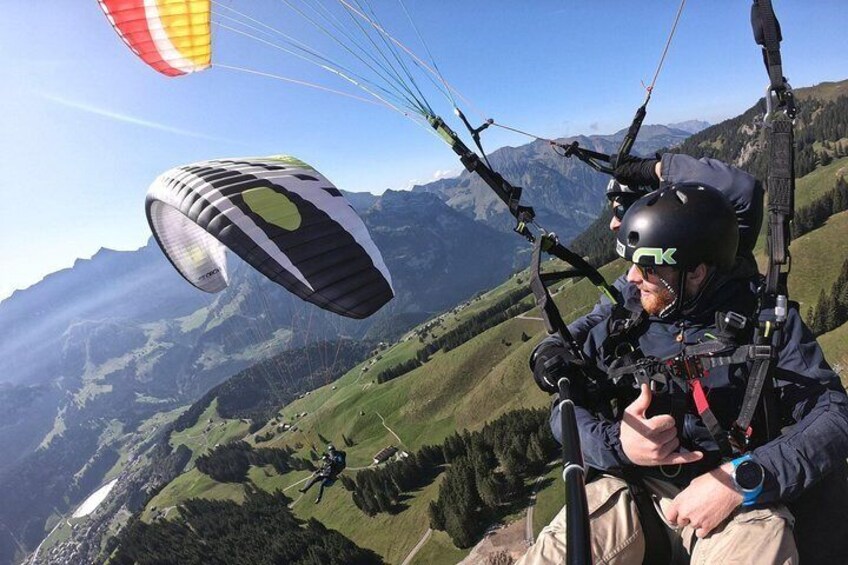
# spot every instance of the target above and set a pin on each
(705, 412)
(756, 382)
(780, 186)
(767, 34)
(740, 355)
(781, 199)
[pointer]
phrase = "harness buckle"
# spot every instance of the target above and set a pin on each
(735, 321)
(740, 440)
(760, 352)
(688, 367)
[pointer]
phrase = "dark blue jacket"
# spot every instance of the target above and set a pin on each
(810, 396)
(743, 191)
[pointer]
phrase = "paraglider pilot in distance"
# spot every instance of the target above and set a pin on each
(332, 463)
(666, 381)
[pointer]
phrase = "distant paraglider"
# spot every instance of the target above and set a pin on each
(279, 215)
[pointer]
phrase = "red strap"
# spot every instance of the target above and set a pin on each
(700, 397)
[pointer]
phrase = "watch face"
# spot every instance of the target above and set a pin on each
(749, 475)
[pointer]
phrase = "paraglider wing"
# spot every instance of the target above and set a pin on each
(282, 217)
(172, 36)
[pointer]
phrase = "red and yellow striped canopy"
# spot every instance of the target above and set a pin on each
(172, 36)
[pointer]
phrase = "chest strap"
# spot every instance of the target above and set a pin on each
(693, 364)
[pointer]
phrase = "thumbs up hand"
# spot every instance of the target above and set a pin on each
(652, 441)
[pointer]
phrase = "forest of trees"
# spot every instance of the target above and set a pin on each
(831, 309)
(230, 462)
(485, 474)
(814, 214)
(487, 471)
(597, 242)
(381, 489)
(260, 531)
(258, 391)
(819, 122)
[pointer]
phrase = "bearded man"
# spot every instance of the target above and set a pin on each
(669, 380)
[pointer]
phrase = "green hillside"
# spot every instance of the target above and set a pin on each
(463, 388)
(835, 345)
(817, 258)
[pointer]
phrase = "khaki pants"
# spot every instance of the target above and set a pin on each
(748, 537)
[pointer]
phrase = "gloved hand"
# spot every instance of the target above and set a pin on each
(550, 361)
(636, 171)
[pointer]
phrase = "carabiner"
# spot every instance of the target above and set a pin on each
(785, 99)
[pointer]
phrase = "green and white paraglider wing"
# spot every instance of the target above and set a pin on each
(279, 215)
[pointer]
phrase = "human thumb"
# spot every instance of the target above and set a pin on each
(639, 406)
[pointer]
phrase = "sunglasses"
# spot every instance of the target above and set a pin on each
(620, 206)
(646, 270)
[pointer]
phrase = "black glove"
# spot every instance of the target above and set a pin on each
(636, 171)
(551, 361)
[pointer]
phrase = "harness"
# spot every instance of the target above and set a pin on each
(678, 380)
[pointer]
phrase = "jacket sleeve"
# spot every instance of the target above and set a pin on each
(600, 439)
(818, 441)
(580, 327)
(743, 190)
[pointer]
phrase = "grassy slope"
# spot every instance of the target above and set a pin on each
(439, 549)
(835, 345)
(807, 189)
(463, 388)
(819, 181)
(191, 484)
(817, 259)
(209, 431)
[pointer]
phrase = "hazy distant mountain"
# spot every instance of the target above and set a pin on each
(691, 126)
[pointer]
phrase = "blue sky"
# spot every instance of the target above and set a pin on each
(87, 126)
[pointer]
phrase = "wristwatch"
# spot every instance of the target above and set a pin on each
(748, 476)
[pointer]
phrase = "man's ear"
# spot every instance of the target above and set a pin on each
(696, 277)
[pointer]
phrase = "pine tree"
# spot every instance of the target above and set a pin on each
(828, 307)
(817, 323)
(437, 517)
(536, 453)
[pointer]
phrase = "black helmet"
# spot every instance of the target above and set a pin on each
(330, 448)
(681, 226)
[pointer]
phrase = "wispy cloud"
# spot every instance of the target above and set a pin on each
(128, 119)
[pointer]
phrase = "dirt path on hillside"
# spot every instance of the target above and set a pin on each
(526, 317)
(400, 441)
(418, 546)
(529, 538)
